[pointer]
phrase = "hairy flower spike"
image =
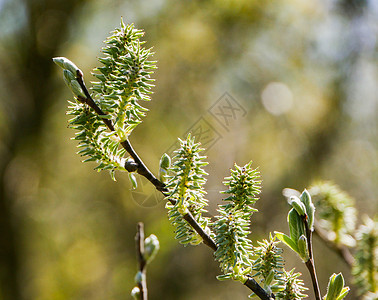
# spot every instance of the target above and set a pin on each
(124, 78)
(185, 186)
(366, 263)
(94, 142)
(336, 212)
(292, 286)
(268, 263)
(232, 226)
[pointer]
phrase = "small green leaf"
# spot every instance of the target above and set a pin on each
(296, 226)
(133, 181)
(303, 248)
(336, 288)
(310, 208)
(297, 204)
(344, 292)
(287, 241)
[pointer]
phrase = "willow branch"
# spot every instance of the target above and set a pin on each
(142, 169)
(310, 263)
(139, 240)
(257, 289)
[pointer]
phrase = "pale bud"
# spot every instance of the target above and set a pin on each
(151, 247)
(135, 293)
(66, 64)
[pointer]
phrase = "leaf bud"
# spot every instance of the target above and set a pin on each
(139, 277)
(135, 293)
(151, 247)
(66, 64)
(72, 83)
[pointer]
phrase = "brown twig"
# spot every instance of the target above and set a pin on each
(139, 241)
(257, 289)
(310, 263)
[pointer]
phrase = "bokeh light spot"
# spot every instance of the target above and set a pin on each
(277, 98)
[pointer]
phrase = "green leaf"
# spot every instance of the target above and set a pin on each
(296, 226)
(303, 248)
(336, 289)
(297, 204)
(344, 292)
(310, 208)
(287, 241)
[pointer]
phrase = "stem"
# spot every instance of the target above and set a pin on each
(208, 241)
(311, 268)
(257, 289)
(139, 240)
(160, 186)
(310, 263)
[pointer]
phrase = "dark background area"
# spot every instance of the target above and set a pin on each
(300, 75)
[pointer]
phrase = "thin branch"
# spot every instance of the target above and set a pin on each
(139, 240)
(160, 186)
(257, 289)
(341, 250)
(310, 263)
(208, 241)
(311, 268)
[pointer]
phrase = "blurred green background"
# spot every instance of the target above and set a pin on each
(304, 77)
